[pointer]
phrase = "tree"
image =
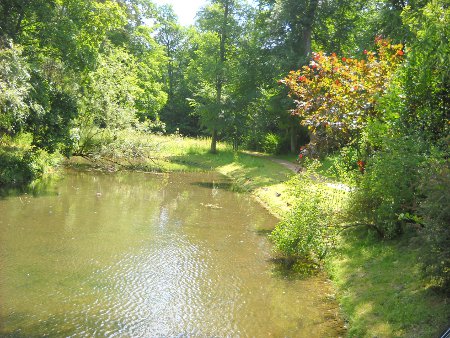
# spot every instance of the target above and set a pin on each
(202, 74)
(178, 47)
(425, 81)
(15, 89)
(219, 25)
(170, 35)
(340, 93)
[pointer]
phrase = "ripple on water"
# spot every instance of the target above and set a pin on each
(165, 289)
(158, 266)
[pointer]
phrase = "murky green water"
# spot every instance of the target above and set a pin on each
(141, 255)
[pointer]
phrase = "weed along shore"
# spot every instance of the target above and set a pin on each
(378, 284)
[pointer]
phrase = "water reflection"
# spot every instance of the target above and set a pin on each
(144, 255)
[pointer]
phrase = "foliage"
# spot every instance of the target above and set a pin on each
(150, 62)
(389, 187)
(435, 210)
(341, 93)
(51, 114)
(343, 165)
(202, 73)
(112, 90)
(425, 81)
(20, 164)
(17, 168)
(310, 230)
(14, 89)
(220, 26)
(271, 143)
(179, 45)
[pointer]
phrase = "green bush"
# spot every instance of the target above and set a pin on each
(18, 168)
(309, 232)
(271, 143)
(302, 233)
(389, 187)
(342, 165)
(435, 210)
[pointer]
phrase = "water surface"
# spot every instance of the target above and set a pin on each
(142, 255)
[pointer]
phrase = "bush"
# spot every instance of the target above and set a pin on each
(302, 233)
(19, 167)
(271, 143)
(389, 187)
(309, 232)
(435, 210)
(342, 165)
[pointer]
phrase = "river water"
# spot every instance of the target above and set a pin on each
(145, 255)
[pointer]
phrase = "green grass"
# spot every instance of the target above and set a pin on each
(265, 179)
(287, 157)
(381, 289)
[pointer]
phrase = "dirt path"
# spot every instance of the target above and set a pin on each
(291, 166)
(296, 168)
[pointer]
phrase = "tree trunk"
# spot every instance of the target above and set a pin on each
(307, 23)
(214, 141)
(220, 77)
(170, 73)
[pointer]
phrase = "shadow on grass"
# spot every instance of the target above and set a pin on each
(247, 171)
(382, 288)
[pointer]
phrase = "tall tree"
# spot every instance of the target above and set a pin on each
(177, 43)
(219, 23)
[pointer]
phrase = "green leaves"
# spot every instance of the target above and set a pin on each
(310, 230)
(14, 90)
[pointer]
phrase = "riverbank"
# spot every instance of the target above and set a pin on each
(378, 282)
(264, 179)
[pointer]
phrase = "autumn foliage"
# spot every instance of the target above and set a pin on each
(340, 93)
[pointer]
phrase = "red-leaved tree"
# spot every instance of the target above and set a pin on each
(340, 94)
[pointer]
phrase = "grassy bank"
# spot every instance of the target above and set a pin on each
(381, 288)
(259, 176)
(378, 282)
(21, 164)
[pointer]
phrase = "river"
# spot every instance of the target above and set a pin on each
(146, 255)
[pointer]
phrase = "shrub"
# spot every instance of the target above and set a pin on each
(389, 187)
(15, 168)
(302, 233)
(309, 232)
(435, 210)
(340, 93)
(271, 143)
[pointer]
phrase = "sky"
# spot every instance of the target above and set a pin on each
(184, 9)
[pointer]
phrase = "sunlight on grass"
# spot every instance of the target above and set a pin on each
(389, 297)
